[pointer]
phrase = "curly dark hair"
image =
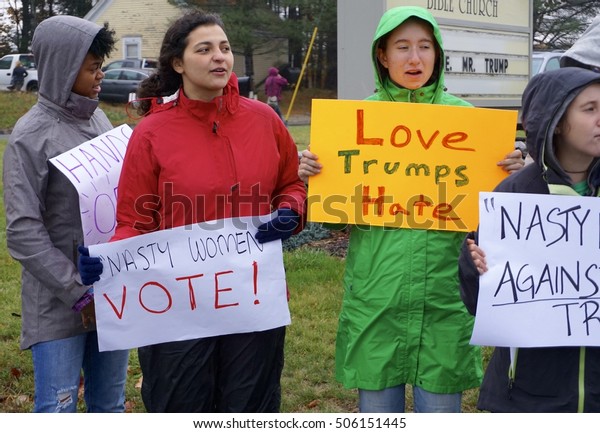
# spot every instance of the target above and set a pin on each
(166, 81)
(103, 43)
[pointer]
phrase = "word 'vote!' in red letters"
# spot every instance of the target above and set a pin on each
(222, 296)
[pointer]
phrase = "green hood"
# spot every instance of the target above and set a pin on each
(387, 90)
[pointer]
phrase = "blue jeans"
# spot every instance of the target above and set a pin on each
(57, 367)
(277, 110)
(392, 400)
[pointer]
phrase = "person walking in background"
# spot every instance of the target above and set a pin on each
(18, 77)
(402, 319)
(43, 221)
(274, 84)
(561, 117)
(229, 156)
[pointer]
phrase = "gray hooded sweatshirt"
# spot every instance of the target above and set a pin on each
(43, 222)
(584, 52)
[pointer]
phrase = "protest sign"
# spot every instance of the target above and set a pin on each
(542, 284)
(405, 165)
(94, 168)
(203, 280)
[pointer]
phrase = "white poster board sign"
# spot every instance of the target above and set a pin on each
(94, 168)
(189, 282)
(542, 284)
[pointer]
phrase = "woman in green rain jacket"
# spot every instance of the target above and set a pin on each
(402, 319)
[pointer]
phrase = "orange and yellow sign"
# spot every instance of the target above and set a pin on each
(405, 165)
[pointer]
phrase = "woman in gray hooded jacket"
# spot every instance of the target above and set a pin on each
(561, 116)
(43, 221)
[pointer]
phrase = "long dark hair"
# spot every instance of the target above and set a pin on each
(166, 81)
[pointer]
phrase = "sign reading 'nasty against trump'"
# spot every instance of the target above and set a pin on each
(542, 287)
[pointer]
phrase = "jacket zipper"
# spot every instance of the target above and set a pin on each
(235, 186)
(512, 369)
(581, 399)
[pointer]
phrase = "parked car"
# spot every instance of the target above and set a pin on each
(542, 61)
(119, 83)
(7, 65)
(131, 63)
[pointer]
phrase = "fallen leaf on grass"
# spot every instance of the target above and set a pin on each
(129, 406)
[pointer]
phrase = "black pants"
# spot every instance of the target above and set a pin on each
(229, 373)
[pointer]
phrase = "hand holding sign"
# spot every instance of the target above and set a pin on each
(308, 165)
(478, 256)
(282, 226)
(89, 268)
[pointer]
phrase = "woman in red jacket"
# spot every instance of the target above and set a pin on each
(202, 152)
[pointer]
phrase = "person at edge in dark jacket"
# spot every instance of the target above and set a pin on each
(402, 320)
(43, 221)
(561, 116)
(201, 153)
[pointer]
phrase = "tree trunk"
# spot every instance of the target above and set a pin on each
(26, 31)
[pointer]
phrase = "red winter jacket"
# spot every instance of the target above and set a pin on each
(192, 161)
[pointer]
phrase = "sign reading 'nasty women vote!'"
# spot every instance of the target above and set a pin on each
(405, 165)
(94, 168)
(202, 280)
(542, 287)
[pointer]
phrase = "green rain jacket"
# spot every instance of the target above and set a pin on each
(402, 319)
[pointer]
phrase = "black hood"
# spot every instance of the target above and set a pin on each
(545, 100)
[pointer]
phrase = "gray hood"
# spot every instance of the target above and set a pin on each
(59, 43)
(585, 49)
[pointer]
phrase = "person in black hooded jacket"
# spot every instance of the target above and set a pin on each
(561, 117)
